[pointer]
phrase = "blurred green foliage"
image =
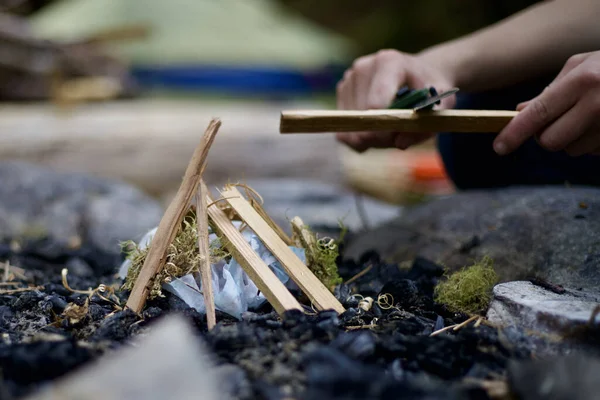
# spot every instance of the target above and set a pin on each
(403, 25)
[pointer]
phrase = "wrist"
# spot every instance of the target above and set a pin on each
(452, 62)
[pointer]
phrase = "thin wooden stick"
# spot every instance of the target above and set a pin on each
(455, 327)
(260, 273)
(295, 268)
(204, 249)
(14, 291)
(171, 220)
(319, 121)
(261, 211)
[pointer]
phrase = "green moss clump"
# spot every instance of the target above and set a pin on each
(321, 254)
(324, 263)
(183, 257)
(468, 290)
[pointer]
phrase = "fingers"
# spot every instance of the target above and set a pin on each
(388, 75)
(536, 116)
(568, 129)
(344, 95)
(362, 74)
(522, 105)
(572, 63)
(405, 140)
(589, 143)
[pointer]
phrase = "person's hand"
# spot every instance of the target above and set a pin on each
(565, 116)
(372, 83)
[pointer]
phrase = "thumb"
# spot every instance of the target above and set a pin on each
(522, 105)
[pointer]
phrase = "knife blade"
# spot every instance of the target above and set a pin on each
(434, 99)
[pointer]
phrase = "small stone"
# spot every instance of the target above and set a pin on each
(525, 305)
(174, 361)
(78, 267)
(557, 378)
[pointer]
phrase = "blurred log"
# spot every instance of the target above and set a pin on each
(148, 142)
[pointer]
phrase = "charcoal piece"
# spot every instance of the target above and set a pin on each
(78, 298)
(351, 302)
(6, 315)
(27, 300)
(374, 274)
(376, 311)
(572, 377)
(332, 374)
(425, 274)
(175, 303)
(397, 370)
(56, 288)
(118, 327)
(350, 316)
(250, 316)
(358, 345)
(293, 318)
(41, 361)
(404, 292)
(439, 323)
(151, 312)
(45, 306)
(6, 300)
(226, 340)
(96, 312)
(342, 293)
(424, 268)
(329, 316)
(406, 323)
(235, 381)
(46, 248)
(58, 303)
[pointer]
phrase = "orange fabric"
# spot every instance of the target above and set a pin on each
(428, 166)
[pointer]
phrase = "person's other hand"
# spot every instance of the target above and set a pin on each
(565, 116)
(372, 83)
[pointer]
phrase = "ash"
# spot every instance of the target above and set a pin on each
(379, 352)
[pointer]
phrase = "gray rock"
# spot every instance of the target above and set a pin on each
(72, 208)
(552, 232)
(533, 307)
(170, 363)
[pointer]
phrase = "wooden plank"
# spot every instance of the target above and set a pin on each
(171, 220)
(321, 297)
(319, 121)
(261, 211)
(204, 249)
(260, 273)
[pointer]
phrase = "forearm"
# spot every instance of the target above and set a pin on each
(535, 41)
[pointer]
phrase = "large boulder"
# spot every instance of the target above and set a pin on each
(72, 211)
(550, 232)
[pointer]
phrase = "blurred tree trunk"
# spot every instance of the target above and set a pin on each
(23, 7)
(407, 26)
